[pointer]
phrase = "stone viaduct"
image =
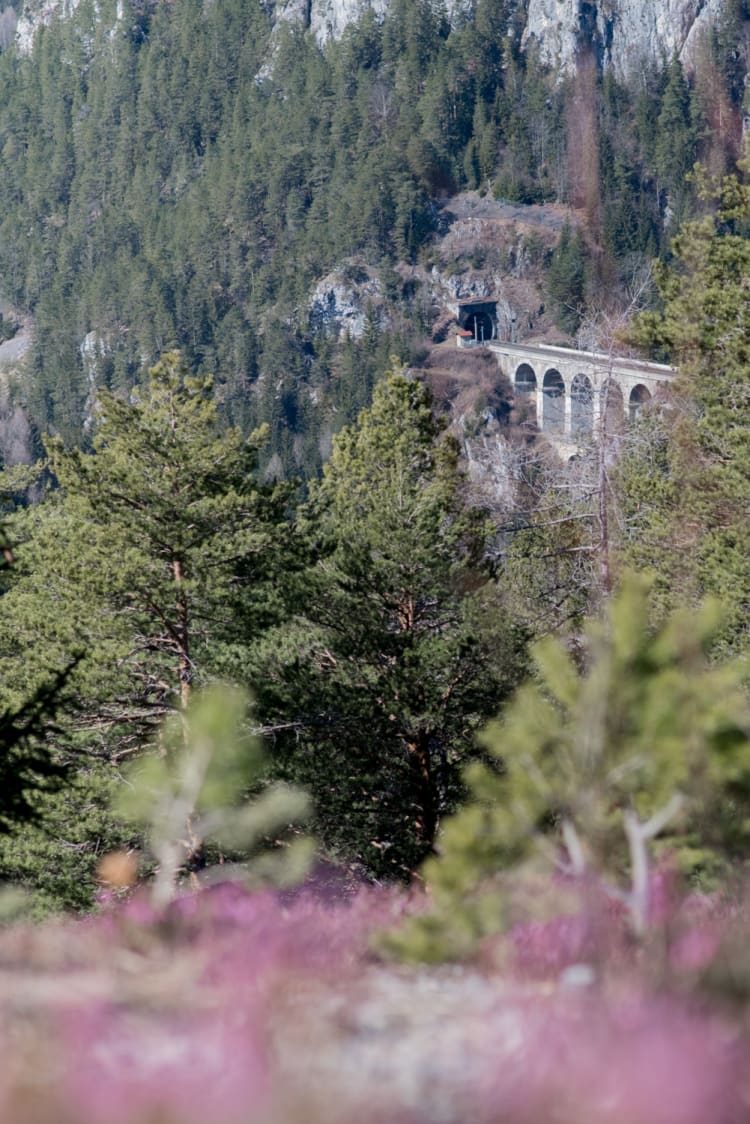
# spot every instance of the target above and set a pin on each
(571, 394)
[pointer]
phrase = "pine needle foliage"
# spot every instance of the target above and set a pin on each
(696, 517)
(599, 762)
(159, 548)
(401, 646)
(195, 789)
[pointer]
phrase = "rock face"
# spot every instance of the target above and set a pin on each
(16, 438)
(36, 15)
(624, 34)
(489, 250)
(330, 18)
(341, 302)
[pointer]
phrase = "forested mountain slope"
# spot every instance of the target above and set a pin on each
(183, 174)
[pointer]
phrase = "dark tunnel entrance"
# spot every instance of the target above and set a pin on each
(479, 318)
(480, 326)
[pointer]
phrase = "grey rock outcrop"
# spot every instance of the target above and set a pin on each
(341, 302)
(94, 350)
(36, 15)
(625, 34)
(329, 19)
(16, 438)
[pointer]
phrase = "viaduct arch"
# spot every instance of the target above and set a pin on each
(571, 394)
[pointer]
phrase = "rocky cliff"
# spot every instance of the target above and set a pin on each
(39, 13)
(327, 19)
(624, 34)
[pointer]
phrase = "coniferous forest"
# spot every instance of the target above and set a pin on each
(165, 185)
(363, 756)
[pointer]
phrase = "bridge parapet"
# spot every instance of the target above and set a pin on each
(570, 393)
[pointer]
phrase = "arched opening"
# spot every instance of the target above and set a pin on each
(640, 396)
(480, 325)
(524, 385)
(612, 408)
(553, 408)
(581, 406)
(525, 380)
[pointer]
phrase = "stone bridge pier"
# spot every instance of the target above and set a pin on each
(574, 395)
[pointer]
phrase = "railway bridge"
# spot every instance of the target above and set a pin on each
(572, 394)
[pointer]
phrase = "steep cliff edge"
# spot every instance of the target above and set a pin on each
(624, 34)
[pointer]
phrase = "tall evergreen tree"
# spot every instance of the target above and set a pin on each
(400, 646)
(566, 279)
(675, 134)
(699, 533)
(160, 546)
(159, 549)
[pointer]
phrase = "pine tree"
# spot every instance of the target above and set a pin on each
(704, 471)
(591, 768)
(566, 278)
(675, 135)
(400, 646)
(158, 554)
(159, 547)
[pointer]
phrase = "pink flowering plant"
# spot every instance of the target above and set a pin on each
(231, 1006)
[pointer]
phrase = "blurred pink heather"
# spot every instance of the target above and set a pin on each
(577, 1060)
(238, 1008)
(201, 1053)
(125, 1067)
(541, 950)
